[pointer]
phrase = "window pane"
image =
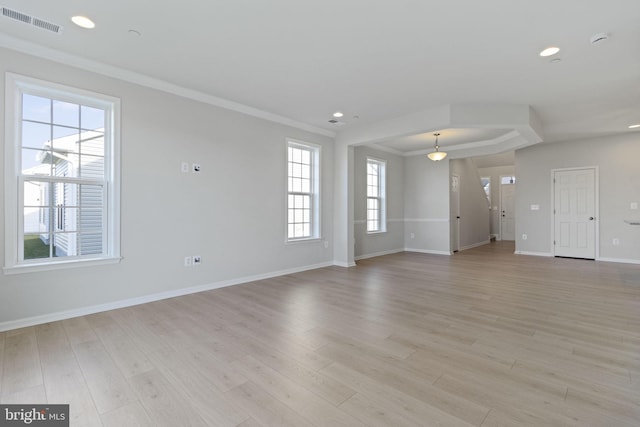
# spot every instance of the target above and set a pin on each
(306, 172)
(35, 135)
(35, 220)
(306, 186)
(65, 113)
(65, 244)
(306, 157)
(65, 138)
(297, 155)
(68, 219)
(36, 108)
(36, 246)
(90, 243)
(91, 118)
(36, 162)
(90, 196)
(91, 167)
(297, 170)
(92, 143)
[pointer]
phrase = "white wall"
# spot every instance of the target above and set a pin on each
(474, 207)
(494, 173)
(618, 160)
(392, 240)
(232, 214)
(426, 205)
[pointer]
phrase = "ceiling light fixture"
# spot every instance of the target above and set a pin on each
(437, 155)
(634, 126)
(338, 114)
(550, 51)
(83, 21)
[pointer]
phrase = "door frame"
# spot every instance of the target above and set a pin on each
(596, 201)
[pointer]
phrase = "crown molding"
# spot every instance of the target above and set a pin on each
(40, 51)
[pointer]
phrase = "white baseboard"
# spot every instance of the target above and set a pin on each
(68, 314)
(393, 251)
(547, 254)
(427, 251)
(344, 264)
(475, 245)
(621, 260)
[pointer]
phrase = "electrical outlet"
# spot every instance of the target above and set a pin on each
(197, 260)
(413, 235)
(184, 167)
(196, 168)
(524, 237)
(633, 206)
(616, 242)
(188, 261)
(326, 244)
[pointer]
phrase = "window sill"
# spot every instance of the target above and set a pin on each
(376, 232)
(48, 266)
(308, 240)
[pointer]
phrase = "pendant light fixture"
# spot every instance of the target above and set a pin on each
(437, 155)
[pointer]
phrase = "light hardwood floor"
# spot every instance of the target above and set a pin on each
(481, 338)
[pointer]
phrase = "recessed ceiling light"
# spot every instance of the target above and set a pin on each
(634, 126)
(550, 51)
(83, 21)
(338, 114)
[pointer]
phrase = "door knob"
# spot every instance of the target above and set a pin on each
(591, 218)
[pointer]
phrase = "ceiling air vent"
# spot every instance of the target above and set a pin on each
(31, 20)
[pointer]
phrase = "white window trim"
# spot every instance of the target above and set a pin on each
(382, 185)
(15, 84)
(316, 221)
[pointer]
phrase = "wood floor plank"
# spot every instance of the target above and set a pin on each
(32, 395)
(63, 379)
(131, 415)
(266, 409)
(123, 350)
(21, 365)
(426, 403)
(164, 405)
(309, 405)
(104, 379)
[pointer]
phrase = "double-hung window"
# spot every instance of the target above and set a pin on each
(62, 176)
(303, 182)
(376, 203)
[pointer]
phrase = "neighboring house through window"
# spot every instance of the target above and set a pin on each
(62, 191)
(303, 182)
(376, 203)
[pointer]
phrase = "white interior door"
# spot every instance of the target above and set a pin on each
(575, 213)
(507, 211)
(455, 213)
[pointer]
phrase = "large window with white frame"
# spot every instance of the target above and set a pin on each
(303, 200)
(376, 196)
(62, 176)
